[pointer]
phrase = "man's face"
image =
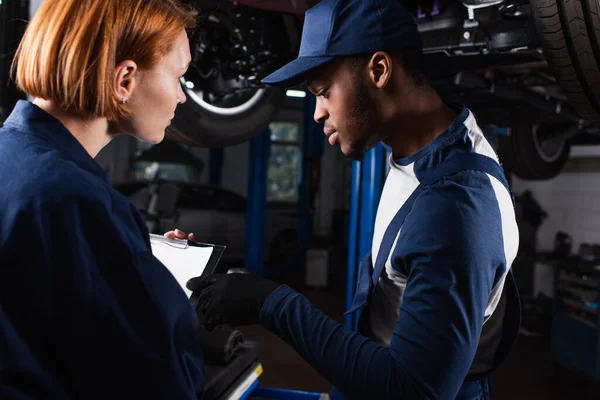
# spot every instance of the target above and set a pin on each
(346, 107)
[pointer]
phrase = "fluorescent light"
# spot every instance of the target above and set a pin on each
(189, 84)
(296, 93)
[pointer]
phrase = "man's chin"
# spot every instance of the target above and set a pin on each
(353, 154)
(356, 150)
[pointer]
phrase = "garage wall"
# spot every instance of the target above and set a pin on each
(235, 168)
(236, 162)
(334, 189)
(572, 201)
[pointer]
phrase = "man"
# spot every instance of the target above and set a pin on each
(439, 309)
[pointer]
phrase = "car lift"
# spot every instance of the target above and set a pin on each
(258, 164)
(367, 183)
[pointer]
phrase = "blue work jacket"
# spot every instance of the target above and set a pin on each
(453, 255)
(86, 310)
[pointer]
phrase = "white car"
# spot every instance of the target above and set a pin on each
(215, 215)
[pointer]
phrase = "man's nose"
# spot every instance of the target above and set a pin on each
(321, 113)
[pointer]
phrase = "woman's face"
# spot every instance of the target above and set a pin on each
(157, 94)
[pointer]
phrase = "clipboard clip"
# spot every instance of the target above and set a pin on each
(177, 243)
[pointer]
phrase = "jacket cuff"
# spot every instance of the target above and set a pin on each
(273, 302)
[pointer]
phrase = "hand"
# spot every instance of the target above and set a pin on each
(177, 234)
(232, 299)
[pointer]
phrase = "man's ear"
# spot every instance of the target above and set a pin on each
(125, 80)
(380, 69)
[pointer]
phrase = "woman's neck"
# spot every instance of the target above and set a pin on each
(93, 134)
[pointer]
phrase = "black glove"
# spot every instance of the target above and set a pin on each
(232, 299)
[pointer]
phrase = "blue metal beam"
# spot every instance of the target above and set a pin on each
(371, 186)
(349, 320)
(258, 164)
(367, 183)
(284, 394)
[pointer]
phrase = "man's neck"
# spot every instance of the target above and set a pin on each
(420, 120)
(93, 134)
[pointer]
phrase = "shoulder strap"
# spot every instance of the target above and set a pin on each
(451, 166)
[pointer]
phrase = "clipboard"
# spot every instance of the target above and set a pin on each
(180, 258)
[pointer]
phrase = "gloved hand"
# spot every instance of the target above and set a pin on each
(232, 299)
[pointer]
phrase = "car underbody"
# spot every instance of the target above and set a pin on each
(528, 67)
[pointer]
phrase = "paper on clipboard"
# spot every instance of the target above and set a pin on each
(183, 261)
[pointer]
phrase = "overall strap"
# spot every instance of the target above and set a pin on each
(451, 166)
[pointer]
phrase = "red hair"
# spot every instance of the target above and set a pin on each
(71, 48)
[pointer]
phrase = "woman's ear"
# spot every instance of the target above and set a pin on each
(380, 69)
(125, 80)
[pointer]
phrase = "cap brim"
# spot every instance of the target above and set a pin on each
(293, 73)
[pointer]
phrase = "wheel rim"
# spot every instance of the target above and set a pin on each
(246, 103)
(549, 150)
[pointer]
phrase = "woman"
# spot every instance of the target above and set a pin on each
(86, 311)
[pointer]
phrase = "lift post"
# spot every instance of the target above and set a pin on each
(367, 184)
(258, 165)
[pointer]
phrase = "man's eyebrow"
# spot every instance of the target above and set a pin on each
(308, 84)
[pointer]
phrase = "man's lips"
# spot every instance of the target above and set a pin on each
(331, 134)
(333, 138)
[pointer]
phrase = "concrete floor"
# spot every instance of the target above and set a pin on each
(526, 375)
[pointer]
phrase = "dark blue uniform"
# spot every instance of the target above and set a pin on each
(86, 311)
(445, 251)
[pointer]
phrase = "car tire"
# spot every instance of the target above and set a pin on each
(525, 155)
(201, 122)
(199, 127)
(570, 35)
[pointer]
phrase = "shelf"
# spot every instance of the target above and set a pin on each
(577, 292)
(578, 281)
(574, 263)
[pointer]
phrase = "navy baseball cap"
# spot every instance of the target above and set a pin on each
(337, 28)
